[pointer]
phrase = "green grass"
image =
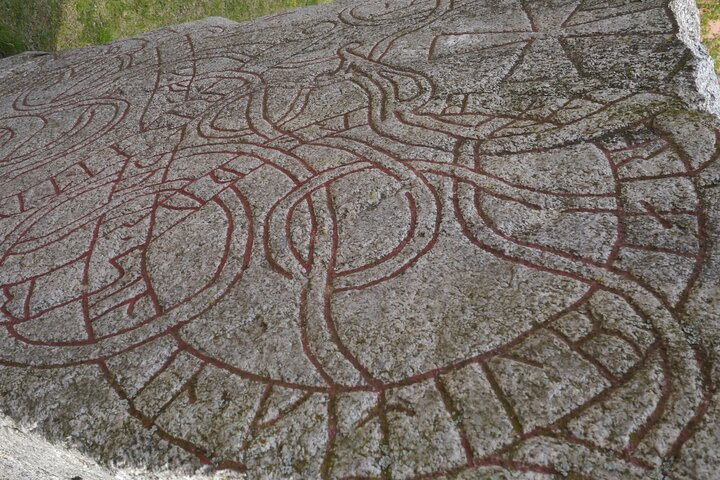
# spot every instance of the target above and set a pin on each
(710, 14)
(60, 24)
(29, 25)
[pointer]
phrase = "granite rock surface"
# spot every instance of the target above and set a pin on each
(440, 239)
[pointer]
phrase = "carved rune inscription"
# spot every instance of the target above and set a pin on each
(408, 239)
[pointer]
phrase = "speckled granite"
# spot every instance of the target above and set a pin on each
(368, 240)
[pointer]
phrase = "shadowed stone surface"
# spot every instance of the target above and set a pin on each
(380, 240)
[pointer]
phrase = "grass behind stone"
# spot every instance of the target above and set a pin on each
(29, 25)
(710, 15)
(61, 24)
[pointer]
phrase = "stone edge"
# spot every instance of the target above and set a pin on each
(687, 17)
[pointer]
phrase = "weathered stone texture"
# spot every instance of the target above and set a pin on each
(444, 239)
